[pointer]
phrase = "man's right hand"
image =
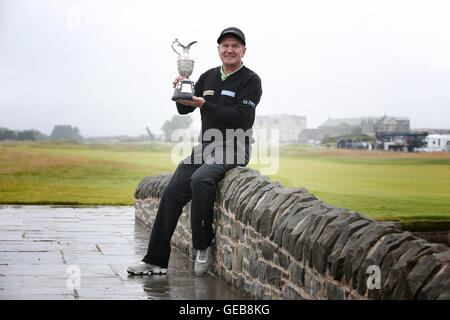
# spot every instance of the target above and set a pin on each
(178, 79)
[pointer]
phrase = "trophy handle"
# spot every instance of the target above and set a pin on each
(175, 41)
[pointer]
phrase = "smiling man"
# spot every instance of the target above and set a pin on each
(227, 97)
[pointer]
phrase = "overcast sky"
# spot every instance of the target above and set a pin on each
(106, 66)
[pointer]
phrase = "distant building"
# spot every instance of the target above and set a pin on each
(433, 131)
(372, 125)
(289, 126)
(339, 127)
(365, 125)
(402, 140)
(309, 136)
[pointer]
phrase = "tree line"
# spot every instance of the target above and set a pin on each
(177, 122)
(68, 132)
(59, 132)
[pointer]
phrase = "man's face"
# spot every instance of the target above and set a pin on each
(231, 51)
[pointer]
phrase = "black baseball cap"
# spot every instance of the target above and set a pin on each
(232, 31)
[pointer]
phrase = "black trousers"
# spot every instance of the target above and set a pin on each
(190, 181)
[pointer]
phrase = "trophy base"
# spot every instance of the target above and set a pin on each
(183, 90)
(182, 95)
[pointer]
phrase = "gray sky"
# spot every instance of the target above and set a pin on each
(106, 66)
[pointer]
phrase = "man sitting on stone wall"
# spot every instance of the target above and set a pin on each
(227, 97)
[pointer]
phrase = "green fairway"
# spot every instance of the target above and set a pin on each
(75, 174)
(410, 188)
(380, 189)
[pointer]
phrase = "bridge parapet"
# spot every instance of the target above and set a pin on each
(273, 242)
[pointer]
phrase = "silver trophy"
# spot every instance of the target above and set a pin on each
(185, 87)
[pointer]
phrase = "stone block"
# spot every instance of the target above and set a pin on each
(262, 206)
(231, 189)
(225, 183)
(253, 264)
(386, 265)
(243, 182)
(285, 207)
(241, 232)
(337, 257)
(262, 271)
(323, 220)
(267, 250)
(376, 254)
(227, 259)
(294, 212)
(274, 277)
(325, 243)
(358, 249)
(279, 203)
(335, 292)
(235, 189)
(301, 222)
(297, 274)
(315, 214)
(259, 194)
(239, 283)
(282, 260)
(425, 269)
(438, 287)
(160, 185)
(239, 253)
(396, 286)
(290, 293)
(313, 287)
(258, 291)
(139, 193)
(298, 203)
(247, 195)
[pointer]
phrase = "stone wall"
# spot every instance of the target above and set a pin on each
(273, 242)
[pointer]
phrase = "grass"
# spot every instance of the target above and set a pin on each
(74, 174)
(411, 188)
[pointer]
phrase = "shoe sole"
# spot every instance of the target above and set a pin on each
(201, 274)
(157, 271)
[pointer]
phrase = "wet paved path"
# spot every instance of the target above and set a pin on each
(43, 247)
